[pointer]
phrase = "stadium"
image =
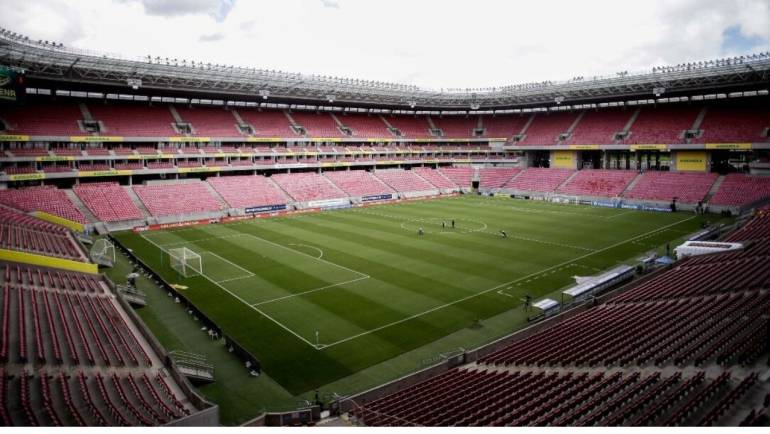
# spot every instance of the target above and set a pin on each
(193, 244)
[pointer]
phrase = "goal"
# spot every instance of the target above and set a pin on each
(103, 252)
(186, 262)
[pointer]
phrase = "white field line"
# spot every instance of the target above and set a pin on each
(321, 252)
(497, 287)
(250, 274)
(198, 240)
(309, 291)
(620, 214)
(246, 303)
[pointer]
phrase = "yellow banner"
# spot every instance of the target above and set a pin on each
(47, 261)
(96, 173)
(324, 139)
(691, 161)
(189, 139)
(563, 159)
(584, 147)
(96, 139)
(14, 138)
(199, 169)
(131, 157)
(61, 221)
(728, 145)
(57, 158)
(635, 148)
(27, 176)
(264, 139)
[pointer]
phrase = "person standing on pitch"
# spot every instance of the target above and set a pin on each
(419, 231)
(453, 223)
(503, 234)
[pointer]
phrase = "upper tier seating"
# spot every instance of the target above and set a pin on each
(606, 183)
(456, 126)
(507, 126)
(539, 179)
(662, 125)
(403, 180)
(134, 120)
(247, 191)
(664, 186)
(108, 201)
(358, 183)
(267, 123)
(317, 124)
(739, 190)
(19, 231)
(462, 176)
(49, 119)
(365, 125)
(307, 186)
(735, 123)
(496, 177)
(176, 199)
(47, 198)
(435, 177)
(210, 121)
(411, 126)
(599, 126)
(547, 127)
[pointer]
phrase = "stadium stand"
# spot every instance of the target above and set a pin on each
(663, 124)
(539, 179)
(605, 183)
(365, 125)
(267, 123)
(546, 128)
(305, 187)
(664, 186)
(403, 181)
(435, 177)
(108, 201)
(725, 123)
(358, 183)
(132, 120)
(503, 125)
(44, 119)
(317, 124)
(599, 126)
(456, 126)
(496, 177)
(739, 190)
(210, 121)
(462, 176)
(176, 199)
(19, 231)
(46, 198)
(247, 191)
(413, 127)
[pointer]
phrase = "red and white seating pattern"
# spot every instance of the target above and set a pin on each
(19, 231)
(410, 126)
(403, 180)
(247, 191)
(539, 179)
(108, 201)
(606, 183)
(662, 125)
(176, 199)
(365, 125)
(317, 124)
(132, 120)
(599, 127)
(735, 123)
(664, 186)
(456, 126)
(48, 119)
(462, 176)
(435, 177)
(358, 183)
(305, 187)
(210, 121)
(739, 190)
(546, 128)
(267, 123)
(500, 126)
(46, 198)
(496, 177)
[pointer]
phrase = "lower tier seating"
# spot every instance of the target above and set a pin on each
(247, 191)
(605, 183)
(47, 198)
(539, 180)
(665, 186)
(108, 201)
(176, 199)
(307, 186)
(739, 190)
(403, 180)
(358, 183)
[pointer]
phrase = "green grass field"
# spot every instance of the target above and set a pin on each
(319, 297)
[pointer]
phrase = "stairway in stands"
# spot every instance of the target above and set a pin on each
(138, 202)
(80, 205)
(714, 188)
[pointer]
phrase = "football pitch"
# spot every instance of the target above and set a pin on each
(317, 297)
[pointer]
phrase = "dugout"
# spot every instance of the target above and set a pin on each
(596, 285)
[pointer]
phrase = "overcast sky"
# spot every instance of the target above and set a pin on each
(429, 43)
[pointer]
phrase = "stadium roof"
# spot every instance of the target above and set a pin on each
(53, 65)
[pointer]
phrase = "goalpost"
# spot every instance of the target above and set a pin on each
(103, 252)
(185, 261)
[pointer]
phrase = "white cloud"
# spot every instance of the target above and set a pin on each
(430, 43)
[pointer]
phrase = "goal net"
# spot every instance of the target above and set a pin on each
(185, 261)
(103, 252)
